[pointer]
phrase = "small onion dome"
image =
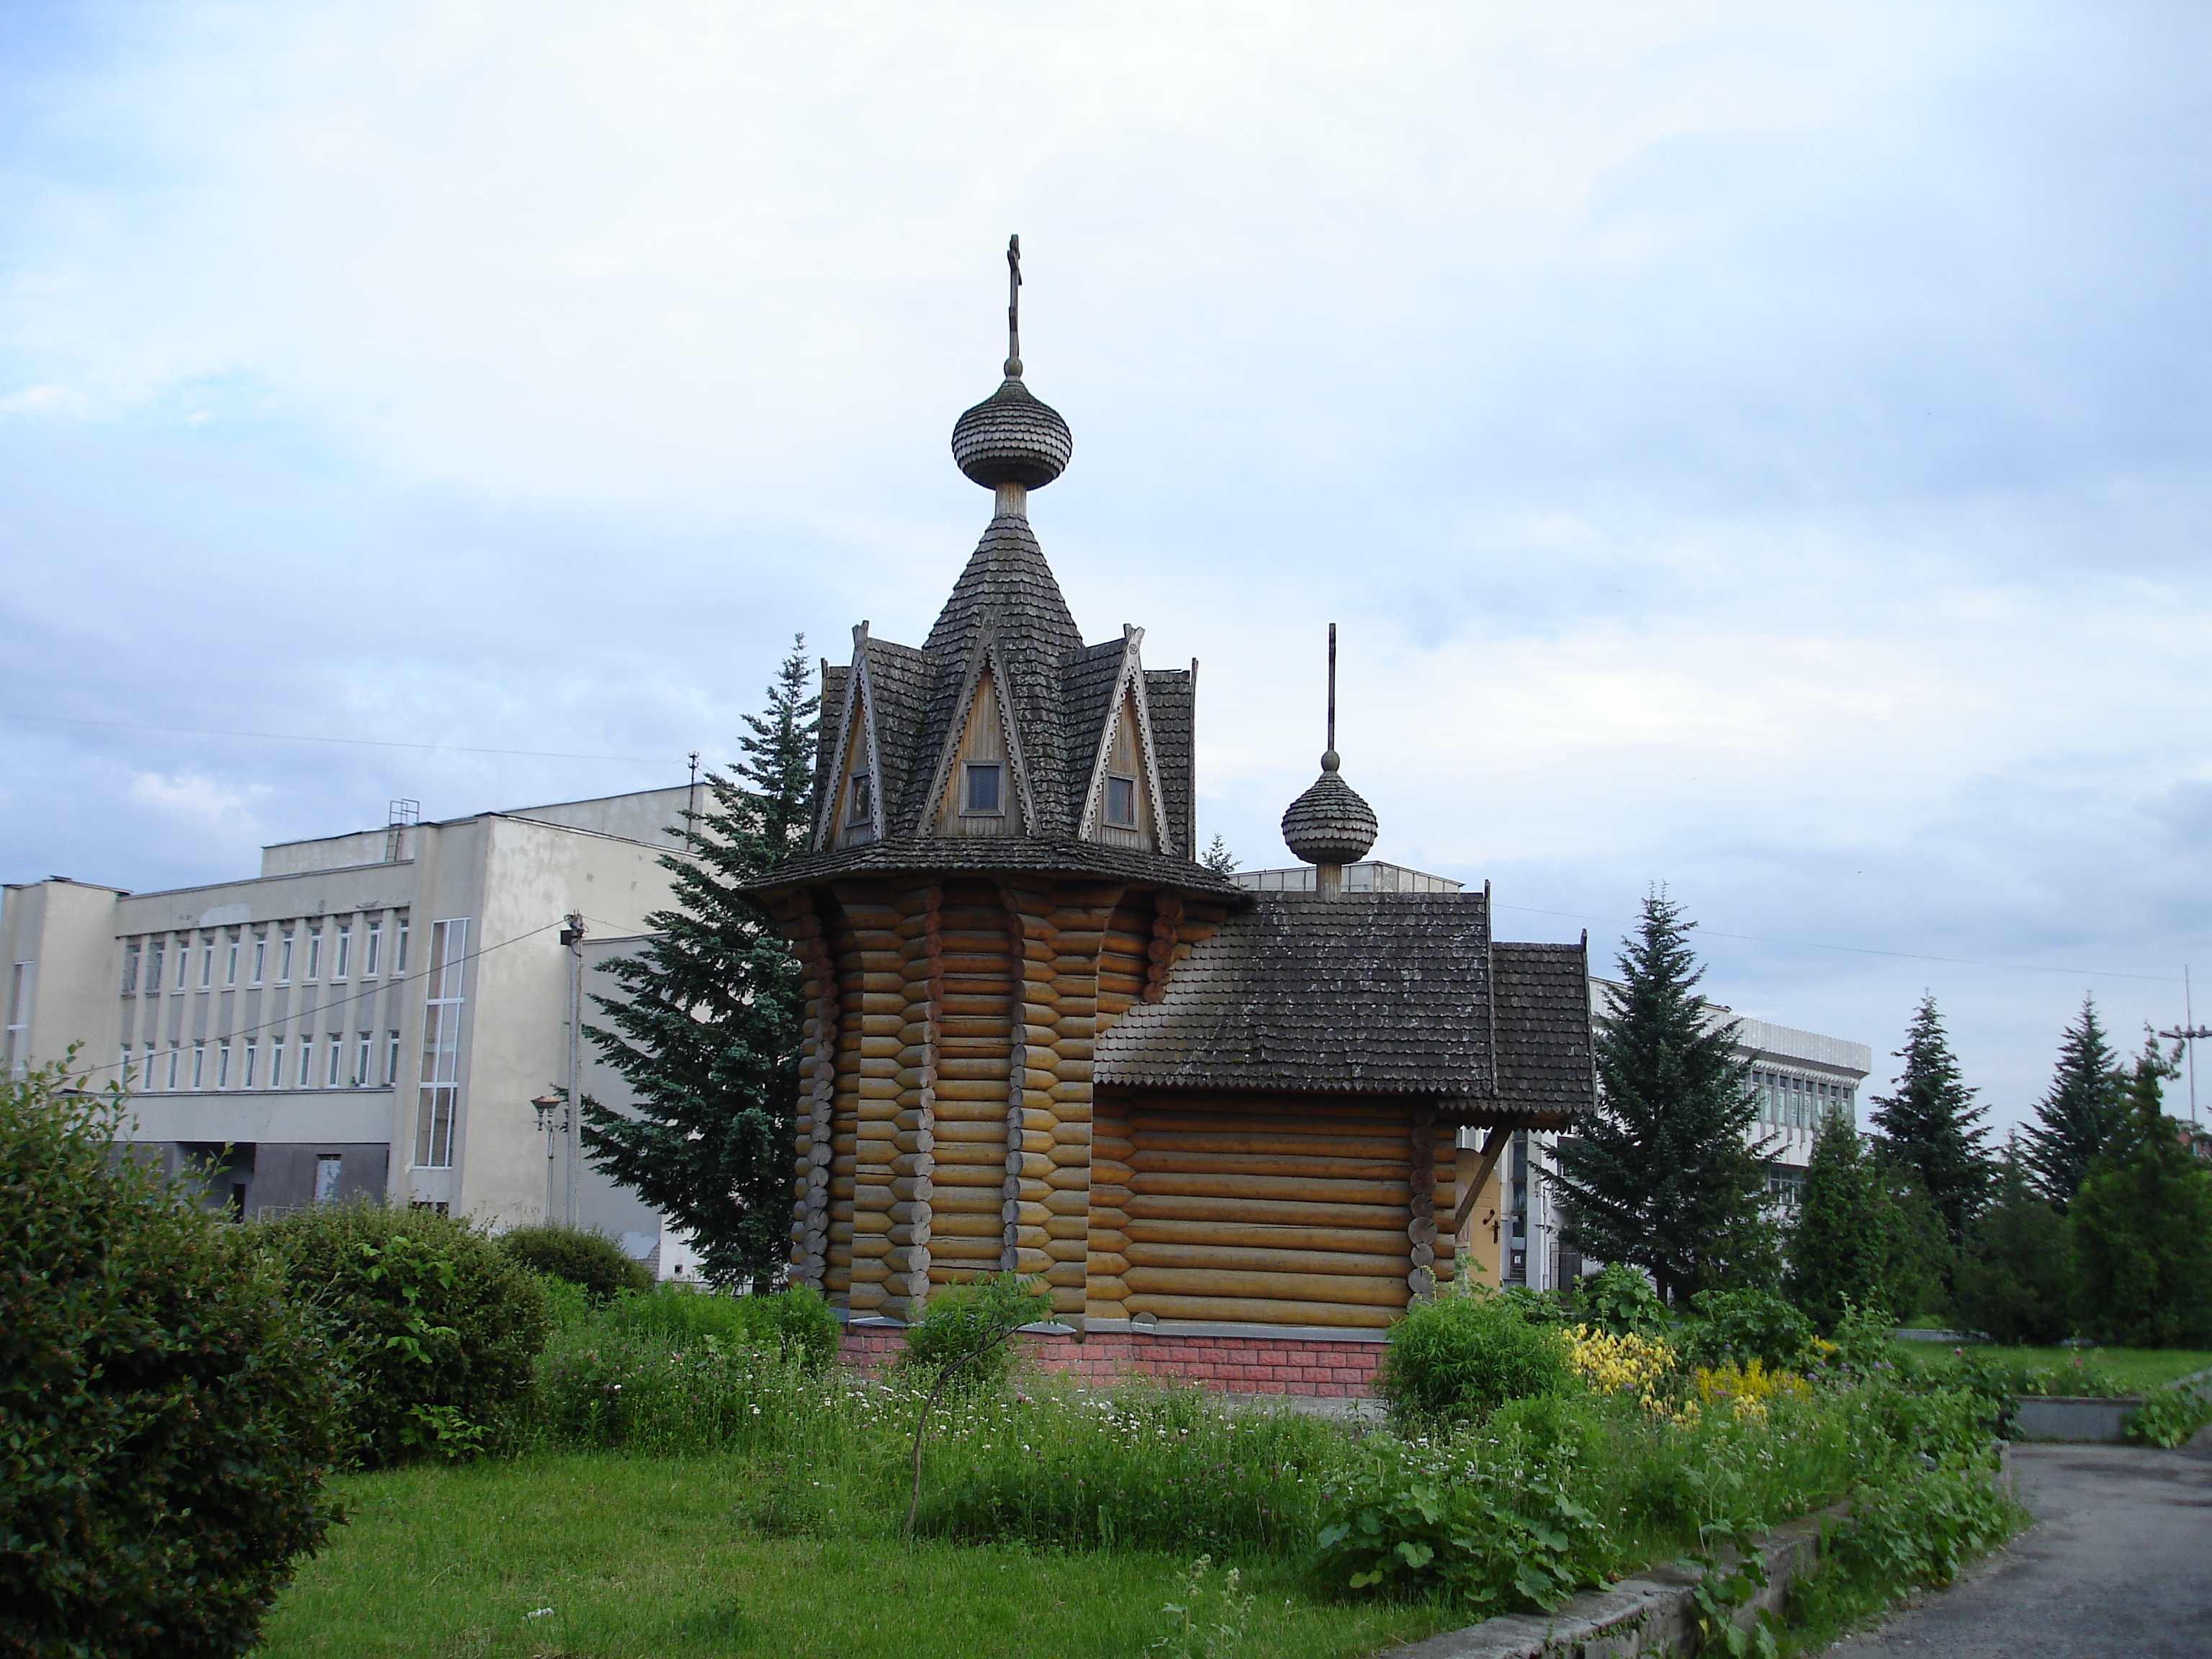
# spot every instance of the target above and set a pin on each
(1329, 824)
(1009, 438)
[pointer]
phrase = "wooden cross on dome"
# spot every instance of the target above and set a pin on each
(1014, 307)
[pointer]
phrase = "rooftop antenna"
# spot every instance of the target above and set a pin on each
(1014, 308)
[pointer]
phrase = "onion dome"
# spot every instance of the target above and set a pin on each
(1330, 823)
(1012, 438)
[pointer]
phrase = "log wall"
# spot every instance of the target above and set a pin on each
(1292, 1210)
(949, 1128)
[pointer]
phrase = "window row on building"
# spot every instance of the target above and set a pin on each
(1791, 1101)
(307, 949)
(307, 1059)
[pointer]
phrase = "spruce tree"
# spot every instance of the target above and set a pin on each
(1659, 1174)
(1931, 1126)
(2087, 1101)
(1838, 1251)
(2141, 1227)
(2014, 1282)
(707, 1028)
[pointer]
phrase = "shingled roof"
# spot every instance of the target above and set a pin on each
(1367, 993)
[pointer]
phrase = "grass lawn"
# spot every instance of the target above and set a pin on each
(639, 1556)
(2138, 1368)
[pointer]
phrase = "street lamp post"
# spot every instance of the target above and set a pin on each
(546, 1106)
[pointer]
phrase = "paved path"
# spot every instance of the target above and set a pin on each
(2118, 1566)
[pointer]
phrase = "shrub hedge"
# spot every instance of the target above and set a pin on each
(796, 1323)
(437, 1326)
(167, 1416)
(1467, 1352)
(582, 1256)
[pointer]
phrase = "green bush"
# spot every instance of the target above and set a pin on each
(437, 1325)
(1742, 1326)
(2169, 1416)
(796, 1323)
(961, 1337)
(583, 1257)
(1467, 1352)
(167, 1416)
(1620, 1301)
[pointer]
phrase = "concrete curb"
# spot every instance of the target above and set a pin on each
(2089, 1420)
(1645, 1615)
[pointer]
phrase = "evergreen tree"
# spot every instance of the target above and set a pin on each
(1217, 857)
(2141, 1227)
(1930, 1124)
(2087, 1101)
(706, 1029)
(1659, 1175)
(1866, 1232)
(2014, 1282)
(1917, 1256)
(1838, 1251)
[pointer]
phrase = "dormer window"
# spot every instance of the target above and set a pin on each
(1120, 802)
(981, 793)
(861, 807)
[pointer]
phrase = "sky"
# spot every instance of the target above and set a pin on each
(1756, 449)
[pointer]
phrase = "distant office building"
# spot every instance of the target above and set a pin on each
(1799, 1076)
(374, 1013)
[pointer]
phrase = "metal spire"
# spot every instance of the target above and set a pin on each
(1014, 308)
(1330, 762)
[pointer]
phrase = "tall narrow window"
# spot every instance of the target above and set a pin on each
(184, 959)
(129, 970)
(147, 1079)
(207, 962)
(176, 1053)
(253, 1054)
(982, 793)
(285, 958)
(399, 948)
(260, 954)
(363, 1056)
(16, 1047)
(153, 966)
(314, 953)
(306, 1071)
(276, 1062)
(199, 1064)
(328, 1168)
(343, 967)
(334, 1068)
(390, 1059)
(441, 1045)
(230, 961)
(223, 1064)
(862, 809)
(371, 949)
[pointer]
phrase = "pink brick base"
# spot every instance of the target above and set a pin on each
(1230, 1364)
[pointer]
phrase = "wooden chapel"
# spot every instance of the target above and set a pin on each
(1041, 1036)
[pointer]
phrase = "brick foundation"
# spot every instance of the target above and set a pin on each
(1288, 1363)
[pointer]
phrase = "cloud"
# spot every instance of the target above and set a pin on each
(1762, 451)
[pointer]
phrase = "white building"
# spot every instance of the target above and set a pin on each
(1799, 1076)
(374, 1013)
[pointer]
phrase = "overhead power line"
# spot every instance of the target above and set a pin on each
(360, 743)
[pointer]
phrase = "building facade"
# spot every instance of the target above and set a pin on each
(374, 1013)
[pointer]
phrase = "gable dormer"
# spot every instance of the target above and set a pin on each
(981, 786)
(1122, 804)
(852, 811)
